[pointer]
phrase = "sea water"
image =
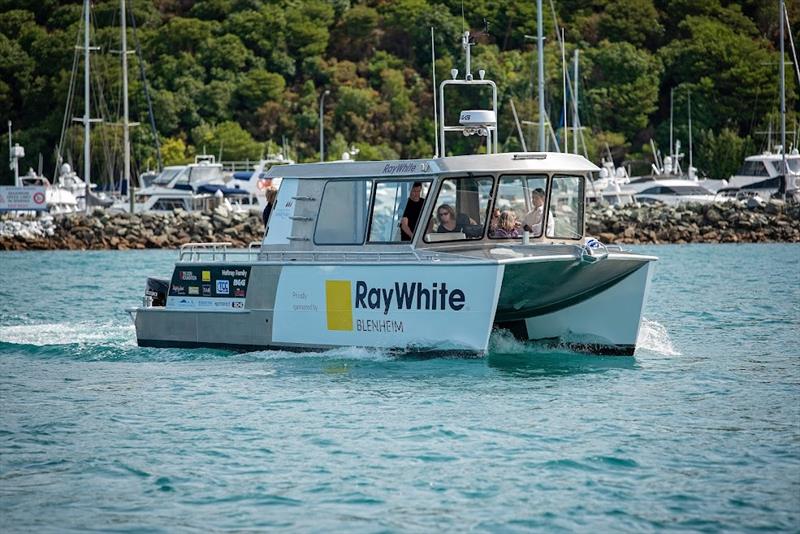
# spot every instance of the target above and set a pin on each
(699, 431)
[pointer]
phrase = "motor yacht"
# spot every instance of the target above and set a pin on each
(761, 174)
(416, 255)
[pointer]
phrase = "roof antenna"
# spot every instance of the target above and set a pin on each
(435, 107)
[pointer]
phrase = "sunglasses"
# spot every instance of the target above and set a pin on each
(443, 213)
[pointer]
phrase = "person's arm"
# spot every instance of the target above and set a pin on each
(405, 228)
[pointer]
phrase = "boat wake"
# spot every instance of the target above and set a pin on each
(68, 334)
(653, 337)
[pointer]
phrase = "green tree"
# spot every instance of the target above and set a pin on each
(736, 72)
(720, 154)
(173, 151)
(228, 139)
(623, 86)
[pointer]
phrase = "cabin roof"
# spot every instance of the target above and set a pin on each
(524, 162)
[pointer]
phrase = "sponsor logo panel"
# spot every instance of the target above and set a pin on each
(387, 306)
(212, 283)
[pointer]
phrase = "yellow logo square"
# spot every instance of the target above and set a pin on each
(206, 276)
(339, 308)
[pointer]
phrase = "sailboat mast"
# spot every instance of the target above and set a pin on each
(126, 141)
(691, 172)
(671, 145)
(575, 106)
(783, 95)
(540, 41)
(87, 164)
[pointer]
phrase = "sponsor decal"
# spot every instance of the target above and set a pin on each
(205, 303)
(221, 304)
(178, 290)
(206, 276)
(340, 302)
(223, 287)
(237, 292)
(194, 290)
(207, 290)
(234, 272)
(237, 304)
(187, 276)
(238, 282)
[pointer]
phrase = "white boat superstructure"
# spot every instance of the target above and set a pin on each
(762, 173)
(412, 255)
(180, 187)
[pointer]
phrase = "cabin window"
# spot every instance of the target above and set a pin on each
(461, 210)
(391, 205)
(566, 207)
(519, 204)
(168, 204)
(753, 168)
(342, 218)
(652, 191)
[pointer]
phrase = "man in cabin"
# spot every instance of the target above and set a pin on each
(532, 222)
(412, 212)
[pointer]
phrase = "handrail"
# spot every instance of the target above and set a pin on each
(211, 251)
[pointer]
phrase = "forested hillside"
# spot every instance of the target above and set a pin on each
(243, 77)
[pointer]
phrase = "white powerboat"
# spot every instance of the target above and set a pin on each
(337, 268)
(761, 175)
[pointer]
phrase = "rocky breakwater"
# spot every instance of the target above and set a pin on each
(724, 222)
(122, 231)
(638, 223)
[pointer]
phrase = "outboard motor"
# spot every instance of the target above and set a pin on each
(155, 292)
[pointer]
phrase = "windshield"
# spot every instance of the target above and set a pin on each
(167, 175)
(690, 190)
(793, 164)
(201, 175)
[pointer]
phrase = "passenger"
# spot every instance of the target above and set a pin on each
(411, 214)
(493, 224)
(506, 226)
(271, 194)
(532, 222)
(446, 216)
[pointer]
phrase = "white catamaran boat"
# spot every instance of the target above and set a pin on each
(339, 268)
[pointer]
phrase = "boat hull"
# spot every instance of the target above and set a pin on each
(444, 307)
(432, 307)
(596, 308)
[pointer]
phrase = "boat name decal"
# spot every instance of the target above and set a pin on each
(399, 168)
(407, 296)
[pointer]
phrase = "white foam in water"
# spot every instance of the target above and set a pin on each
(504, 342)
(67, 333)
(654, 337)
(348, 353)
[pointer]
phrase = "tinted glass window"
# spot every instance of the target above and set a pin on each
(520, 205)
(461, 210)
(566, 207)
(342, 218)
(391, 201)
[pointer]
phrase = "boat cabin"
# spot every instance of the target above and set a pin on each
(464, 201)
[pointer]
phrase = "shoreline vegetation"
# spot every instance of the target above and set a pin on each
(773, 221)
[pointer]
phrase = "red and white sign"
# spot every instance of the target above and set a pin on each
(23, 198)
